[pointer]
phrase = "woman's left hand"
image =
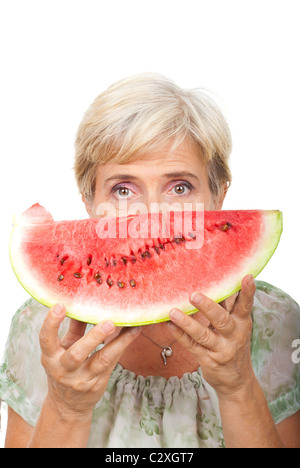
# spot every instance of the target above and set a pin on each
(222, 349)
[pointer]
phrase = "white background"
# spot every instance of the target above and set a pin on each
(58, 55)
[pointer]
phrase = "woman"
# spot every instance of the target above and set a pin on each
(230, 381)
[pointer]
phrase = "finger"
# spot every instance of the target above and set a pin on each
(75, 332)
(228, 303)
(218, 316)
(192, 330)
(116, 333)
(49, 339)
(108, 357)
(79, 352)
(244, 304)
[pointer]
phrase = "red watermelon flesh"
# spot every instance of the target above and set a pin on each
(136, 281)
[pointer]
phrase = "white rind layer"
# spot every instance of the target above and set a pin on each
(271, 230)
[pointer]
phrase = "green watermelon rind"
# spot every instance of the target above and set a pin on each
(256, 265)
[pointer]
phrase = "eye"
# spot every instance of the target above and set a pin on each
(182, 189)
(122, 191)
(179, 189)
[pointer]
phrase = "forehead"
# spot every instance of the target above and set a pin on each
(184, 159)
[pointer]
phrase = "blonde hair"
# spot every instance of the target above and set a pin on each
(142, 113)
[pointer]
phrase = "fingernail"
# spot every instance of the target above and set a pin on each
(196, 298)
(250, 280)
(107, 327)
(58, 309)
(175, 314)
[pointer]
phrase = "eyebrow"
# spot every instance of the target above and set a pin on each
(180, 174)
(170, 175)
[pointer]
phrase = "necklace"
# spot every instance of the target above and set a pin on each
(167, 351)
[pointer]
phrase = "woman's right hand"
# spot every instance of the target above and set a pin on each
(77, 379)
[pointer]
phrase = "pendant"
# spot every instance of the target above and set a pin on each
(166, 352)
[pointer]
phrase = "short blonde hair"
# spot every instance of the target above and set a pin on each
(142, 113)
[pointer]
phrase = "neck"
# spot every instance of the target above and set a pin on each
(144, 358)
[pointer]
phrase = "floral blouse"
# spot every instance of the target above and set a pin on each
(156, 412)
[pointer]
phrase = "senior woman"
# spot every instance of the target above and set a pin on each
(231, 381)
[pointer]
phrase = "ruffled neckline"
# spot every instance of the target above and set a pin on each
(126, 376)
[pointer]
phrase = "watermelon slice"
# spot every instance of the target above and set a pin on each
(134, 280)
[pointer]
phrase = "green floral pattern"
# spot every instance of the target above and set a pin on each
(155, 412)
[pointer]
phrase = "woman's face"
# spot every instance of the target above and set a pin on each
(157, 177)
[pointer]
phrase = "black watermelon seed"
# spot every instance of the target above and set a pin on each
(157, 250)
(89, 261)
(110, 282)
(226, 226)
(78, 275)
(132, 283)
(147, 254)
(97, 276)
(162, 246)
(121, 284)
(124, 259)
(99, 281)
(63, 260)
(60, 278)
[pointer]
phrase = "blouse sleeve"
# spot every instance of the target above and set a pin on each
(23, 381)
(276, 326)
